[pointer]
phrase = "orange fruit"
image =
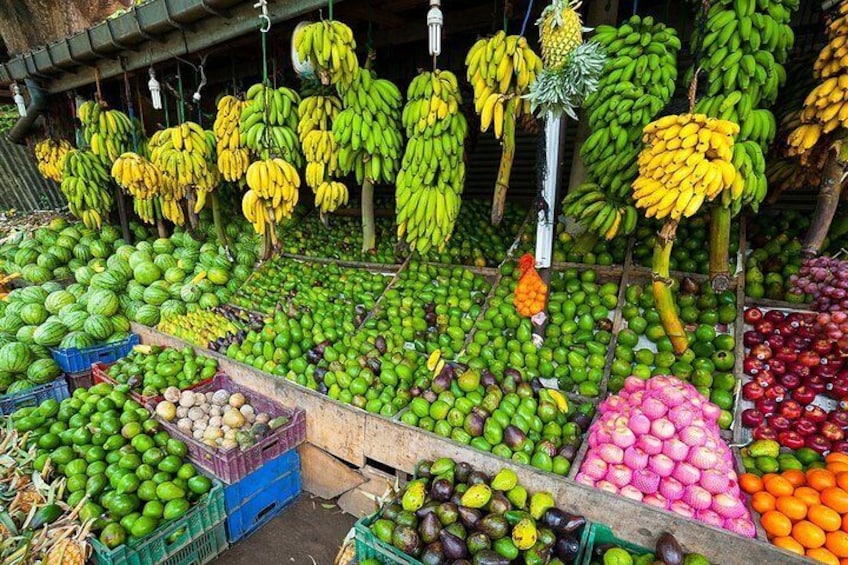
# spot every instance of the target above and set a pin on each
(825, 518)
(762, 502)
(795, 476)
(809, 495)
(822, 555)
(789, 544)
(777, 524)
(835, 498)
(837, 543)
(750, 483)
(837, 467)
(768, 476)
(778, 486)
(792, 507)
(842, 480)
(821, 479)
(836, 457)
(843, 561)
(808, 534)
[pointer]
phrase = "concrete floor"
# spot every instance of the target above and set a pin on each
(306, 533)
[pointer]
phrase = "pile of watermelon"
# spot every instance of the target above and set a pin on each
(54, 251)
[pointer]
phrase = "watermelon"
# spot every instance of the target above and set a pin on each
(76, 289)
(120, 323)
(24, 335)
(76, 340)
(124, 252)
(120, 264)
(83, 275)
(51, 286)
(155, 295)
(174, 275)
(145, 247)
(6, 379)
(58, 224)
(50, 333)
(33, 295)
(75, 321)
(20, 385)
(63, 254)
(48, 261)
(72, 232)
(11, 322)
(163, 246)
(147, 273)
(241, 272)
(98, 327)
(14, 357)
(43, 371)
(102, 301)
(205, 285)
(66, 242)
(82, 252)
(36, 274)
(63, 273)
(147, 315)
(208, 300)
(131, 309)
(57, 300)
(135, 290)
(26, 257)
(34, 314)
(165, 262)
(224, 295)
(172, 308)
(118, 336)
(218, 275)
(109, 280)
(75, 264)
(124, 301)
(190, 293)
(100, 249)
(109, 234)
(39, 351)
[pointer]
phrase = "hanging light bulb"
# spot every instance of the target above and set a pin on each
(434, 23)
(19, 100)
(155, 90)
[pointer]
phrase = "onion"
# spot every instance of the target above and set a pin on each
(619, 475)
(661, 464)
(680, 507)
(635, 458)
(646, 481)
(662, 428)
(672, 489)
(696, 497)
(675, 449)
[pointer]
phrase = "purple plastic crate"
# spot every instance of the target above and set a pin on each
(232, 465)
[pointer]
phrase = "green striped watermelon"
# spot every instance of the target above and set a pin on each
(34, 314)
(57, 300)
(102, 301)
(24, 335)
(147, 273)
(98, 327)
(77, 340)
(43, 371)
(14, 357)
(155, 295)
(50, 333)
(147, 315)
(163, 246)
(120, 323)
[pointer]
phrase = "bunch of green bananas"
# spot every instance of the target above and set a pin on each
(273, 193)
(330, 48)
(315, 130)
(501, 70)
(750, 165)
(687, 160)
(233, 159)
(145, 209)
(269, 122)
(210, 181)
(637, 83)
(49, 154)
(432, 173)
(107, 132)
(84, 184)
(367, 131)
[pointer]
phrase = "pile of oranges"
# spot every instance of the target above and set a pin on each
(805, 513)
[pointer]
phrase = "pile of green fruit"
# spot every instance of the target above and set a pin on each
(432, 307)
(150, 369)
(775, 242)
(766, 456)
(576, 337)
(284, 282)
(111, 452)
(200, 327)
(667, 551)
(54, 251)
(643, 349)
(366, 369)
(511, 418)
(341, 239)
(578, 248)
(691, 252)
(451, 513)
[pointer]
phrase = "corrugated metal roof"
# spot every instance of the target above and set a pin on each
(21, 185)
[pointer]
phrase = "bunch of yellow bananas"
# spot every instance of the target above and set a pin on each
(233, 159)
(107, 132)
(432, 173)
(268, 123)
(145, 209)
(501, 69)
(208, 182)
(826, 107)
(315, 130)
(172, 209)
(687, 159)
(49, 154)
(182, 154)
(330, 48)
(137, 175)
(84, 184)
(273, 193)
(367, 131)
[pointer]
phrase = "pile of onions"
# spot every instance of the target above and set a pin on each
(658, 442)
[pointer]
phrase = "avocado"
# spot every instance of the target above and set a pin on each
(453, 546)
(433, 554)
(448, 513)
(469, 516)
(406, 539)
(477, 542)
(494, 525)
(489, 557)
(429, 528)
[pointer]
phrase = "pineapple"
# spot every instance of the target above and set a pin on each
(560, 32)
(66, 552)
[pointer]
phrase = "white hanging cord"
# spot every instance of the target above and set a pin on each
(155, 90)
(196, 95)
(265, 27)
(20, 102)
(435, 21)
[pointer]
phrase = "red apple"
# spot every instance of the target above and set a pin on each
(764, 327)
(764, 432)
(838, 389)
(791, 409)
(831, 431)
(790, 439)
(839, 417)
(816, 384)
(774, 316)
(766, 379)
(778, 422)
(776, 366)
(751, 418)
(775, 340)
(805, 427)
(839, 446)
(785, 330)
(752, 390)
(815, 413)
(753, 315)
(790, 380)
(797, 319)
(777, 392)
(766, 406)
(817, 443)
(804, 395)
(801, 370)
(784, 354)
(752, 366)
(822, 346)
(752, 338)
(761, 352)
(797, 343)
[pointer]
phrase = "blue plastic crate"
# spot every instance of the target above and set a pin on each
(57, 389)
(73, 360)
(261, 495)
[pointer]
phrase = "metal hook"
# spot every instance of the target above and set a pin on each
(264, 19)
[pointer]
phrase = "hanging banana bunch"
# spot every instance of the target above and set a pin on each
(330, 48)
(268, 124)
(273, 193)
(233, 158)
(432, 172)
(315, 130)
(212, 177)
(638, 82)
(138, 176)
(50, 155)
(501, 70)
(107, 132)
(84, 182)
(367, 131)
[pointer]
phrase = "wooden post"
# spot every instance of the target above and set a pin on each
(122, 215)
(369, 234)
(833, 179)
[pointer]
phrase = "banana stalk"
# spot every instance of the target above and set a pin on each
(369, 236)
(507, 157)
(161, 229)
(219, 224)
(662, 288)
(719, 246)
(833, 175)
